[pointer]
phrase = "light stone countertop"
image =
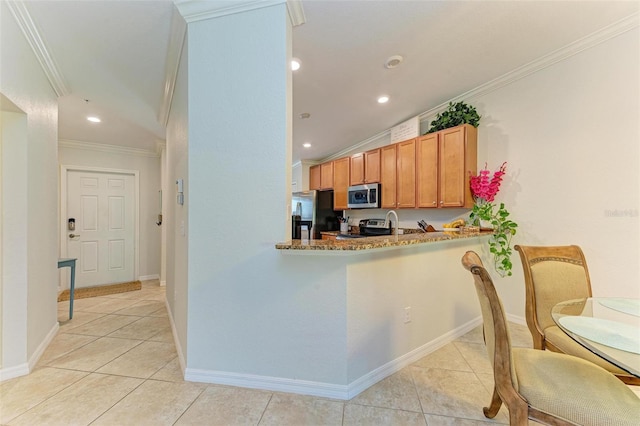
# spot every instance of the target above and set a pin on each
(368, 243)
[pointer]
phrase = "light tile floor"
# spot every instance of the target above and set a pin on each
(115, 364)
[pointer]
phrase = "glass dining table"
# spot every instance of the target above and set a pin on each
(607, 326)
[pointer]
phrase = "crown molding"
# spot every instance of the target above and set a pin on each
(199, 10)
(161, 145)
(306, 163)
(607, 33)
(111, 149)
(362, 144)
(30, 31)
(172, 64)
(296, 12)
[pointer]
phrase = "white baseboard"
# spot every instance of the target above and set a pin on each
(176, 341)
(43, 346)
(148, 277)
(327, 390)
(392, 367)
(516, 319)
(163, 283)
(27, 367)
(278, 384)
(13, 372)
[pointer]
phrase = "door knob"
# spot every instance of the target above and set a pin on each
(73, 235)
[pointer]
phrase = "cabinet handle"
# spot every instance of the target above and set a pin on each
(434, 203)
(441, 202)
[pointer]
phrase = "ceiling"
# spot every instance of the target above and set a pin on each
(112, 56)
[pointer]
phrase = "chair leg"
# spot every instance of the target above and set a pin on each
(630, 380)
(519, 415)
(496, 402)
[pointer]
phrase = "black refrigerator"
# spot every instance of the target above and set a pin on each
(315, 210)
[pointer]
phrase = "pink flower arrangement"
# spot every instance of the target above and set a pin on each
(483, 187)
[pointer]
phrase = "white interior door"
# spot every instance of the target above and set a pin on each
(103, 206)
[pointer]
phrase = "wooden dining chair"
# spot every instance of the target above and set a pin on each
(553, 274)
(547, 387)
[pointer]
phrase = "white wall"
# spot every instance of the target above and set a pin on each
(25, 85)
(428, 279)
(164, 205)
(176, 216)
(15, 248)
(148, 166)
(570, 135)
(300, 175)
(239, 187)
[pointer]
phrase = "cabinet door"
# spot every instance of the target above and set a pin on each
(453, 175)
(357, 169)
(406, 187)
(326, 175)
(372, 166)
(427, 170)
(388, 168)
(340, 183)
(314, 177)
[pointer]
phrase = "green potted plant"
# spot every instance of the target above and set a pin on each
(455, 115)
(484, 189)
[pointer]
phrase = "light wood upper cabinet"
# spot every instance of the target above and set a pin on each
(340, 183)
(445, 159)
(314, 177)
(321, 176)
(388, 179)
(406, 174)
(427, 170)
(458, 157)
(365, 167)
(326, 175)
(357, 169)
(372, 166)
(431, 171)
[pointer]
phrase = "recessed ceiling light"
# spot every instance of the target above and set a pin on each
(304, 115)
(295, 64)
(94, 119)
(306, 145)
(393, 61)
(383, 99)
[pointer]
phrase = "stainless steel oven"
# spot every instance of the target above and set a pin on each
(364, 196)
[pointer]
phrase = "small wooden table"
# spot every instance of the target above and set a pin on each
(71, 263)
(607, 326)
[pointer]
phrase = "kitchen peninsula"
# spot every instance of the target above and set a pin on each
(368, 304)
(374, 305)
(377, 242)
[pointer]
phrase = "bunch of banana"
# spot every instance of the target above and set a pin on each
(455, 224)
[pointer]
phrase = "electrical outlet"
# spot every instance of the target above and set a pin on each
(407, 314)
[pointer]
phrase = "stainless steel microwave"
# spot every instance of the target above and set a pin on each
(364, 196)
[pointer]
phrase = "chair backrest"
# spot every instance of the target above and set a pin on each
(552, 274)
(496, 331)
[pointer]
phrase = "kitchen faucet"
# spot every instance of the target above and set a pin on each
(386, 220)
